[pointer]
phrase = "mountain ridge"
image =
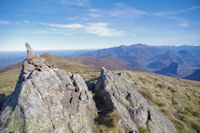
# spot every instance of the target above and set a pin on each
(144, 82)
(154, 58)
(47, 99)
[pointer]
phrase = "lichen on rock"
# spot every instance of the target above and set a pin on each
(47, 99)
(119, 93)
(42, 103)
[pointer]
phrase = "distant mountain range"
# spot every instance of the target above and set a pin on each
(69, 89)
(177, 61)
(194, 76)
(8, 58)
(107, 62)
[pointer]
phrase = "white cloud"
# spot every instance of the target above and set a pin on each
(77, 18)
(49, 31)
(118, 10)
(101, 29)
(194, 7)
(175, 18)
(4, 22)
(184, 24)
(72, 26)
(75, 2)
(26, 22)
(123, 9)
(133, 35)
(163, 13)
(94, 15)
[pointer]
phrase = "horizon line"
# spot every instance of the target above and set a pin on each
(63, 49)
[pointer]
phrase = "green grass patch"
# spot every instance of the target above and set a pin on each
(195, 126)
(143, 129)
(146, 94)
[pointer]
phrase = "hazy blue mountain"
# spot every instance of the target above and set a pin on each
(8, 58)
(171, 70)
(156, 58)
(137, 54)
(194, 76)
(159, 59)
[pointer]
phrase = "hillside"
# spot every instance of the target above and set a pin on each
(178, 99)
(194, 76)
(136, 54)
(9, 76)
(49, 99)
(171, 70)
(183, 57)
(154, 58)
(107, 62)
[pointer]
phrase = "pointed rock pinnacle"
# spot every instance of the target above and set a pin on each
(29, 51)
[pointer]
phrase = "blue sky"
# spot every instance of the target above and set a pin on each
(91, 24)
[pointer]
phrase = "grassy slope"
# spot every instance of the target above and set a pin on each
(178, 99)
(65, 64)
(107, 62)
(86, 72)
(9, 76)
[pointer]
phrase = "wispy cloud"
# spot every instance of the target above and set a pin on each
(184, 25)
(101, 29)
(75, 2)
(133, 35)
(49, 31)
(174, 18)
(4, 22)
(94, 15)
(123, 9)
(26, 22)
(76, 18)
(71, 26)
(163, 13)
(194, 7)
(118, 10)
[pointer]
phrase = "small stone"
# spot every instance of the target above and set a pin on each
(70, 87)
(40, 102)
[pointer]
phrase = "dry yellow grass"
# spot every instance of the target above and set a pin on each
(8, 79)
(9, 76)
(67, 65)
(178, 99)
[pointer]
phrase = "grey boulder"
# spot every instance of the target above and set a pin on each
(47, 100)
(119, 93)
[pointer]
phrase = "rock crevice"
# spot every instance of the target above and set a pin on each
(50, 100)
(42, 102)
(133, 108)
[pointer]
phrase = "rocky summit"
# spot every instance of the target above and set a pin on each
(119, 93)
(49, 100)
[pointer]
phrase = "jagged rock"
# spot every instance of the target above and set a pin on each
(42, 103)
(30, 53)
(119, 93)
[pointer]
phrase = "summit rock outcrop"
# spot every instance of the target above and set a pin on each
(119, 93)
(47, 100)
